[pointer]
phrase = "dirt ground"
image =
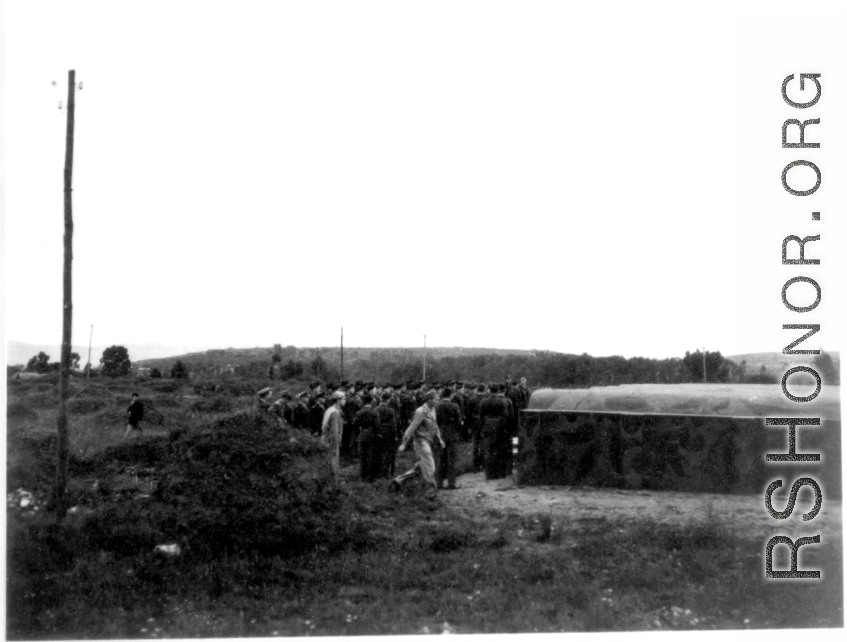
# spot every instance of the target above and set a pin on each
(569, 505)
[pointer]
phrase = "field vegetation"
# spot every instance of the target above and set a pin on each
(259, 540)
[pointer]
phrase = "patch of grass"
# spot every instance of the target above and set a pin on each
(85, 406)
(270, 544)
(20, 412)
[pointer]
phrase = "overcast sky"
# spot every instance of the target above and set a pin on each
(579, 177)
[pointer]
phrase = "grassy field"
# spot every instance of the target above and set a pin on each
(271, 546)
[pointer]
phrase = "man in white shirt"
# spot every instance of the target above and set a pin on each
(423, 429)
(331, 430)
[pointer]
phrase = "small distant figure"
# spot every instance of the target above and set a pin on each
(134, 415)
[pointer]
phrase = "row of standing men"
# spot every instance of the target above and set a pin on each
(375, 417)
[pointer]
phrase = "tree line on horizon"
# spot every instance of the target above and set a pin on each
(541, 368)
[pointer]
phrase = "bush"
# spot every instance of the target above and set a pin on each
(179, 370)
(115, 362)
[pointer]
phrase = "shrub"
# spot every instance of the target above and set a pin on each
(115, 361)
(179, 370)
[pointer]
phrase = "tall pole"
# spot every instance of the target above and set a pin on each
(424, 362)
(342, 353)
(90, 336)
(58, 503)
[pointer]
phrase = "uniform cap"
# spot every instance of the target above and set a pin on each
(338, 395)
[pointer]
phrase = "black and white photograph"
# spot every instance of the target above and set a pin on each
(389, 318)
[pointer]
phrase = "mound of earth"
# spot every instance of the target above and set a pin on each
(243, 484)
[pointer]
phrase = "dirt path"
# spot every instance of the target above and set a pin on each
(568, 505)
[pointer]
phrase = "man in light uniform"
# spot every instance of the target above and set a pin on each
(331, 427)
(423, 429)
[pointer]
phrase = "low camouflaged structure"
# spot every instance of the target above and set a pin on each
(686, 437)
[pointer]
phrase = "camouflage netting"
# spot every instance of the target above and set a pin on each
(691, 437)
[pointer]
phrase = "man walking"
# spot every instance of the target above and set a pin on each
(423, 429)
(134, 415)
(331, 428)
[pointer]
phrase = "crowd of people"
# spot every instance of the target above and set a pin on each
(371, 423)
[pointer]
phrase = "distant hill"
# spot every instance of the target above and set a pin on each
(18, 353)
(777, 363)
(243, 356)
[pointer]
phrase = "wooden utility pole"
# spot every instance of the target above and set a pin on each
(90, 336)
(58, 500)
(342, 353)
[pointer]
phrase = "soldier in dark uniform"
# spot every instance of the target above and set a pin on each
(316, 414)
(511, 391)
(349, 439)
(511, 428)
(525, 394)
(280, 409)
(387, 435)
(458, 397)
(408, 406)
(394, 402)
(262, 402)
(494, 429)
(473, 426)
(449, 418)
(369, 442)
(300, 413)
